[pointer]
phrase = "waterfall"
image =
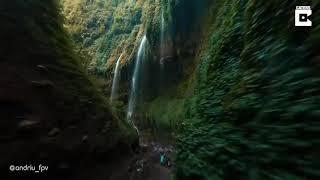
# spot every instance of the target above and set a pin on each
(135, 81)
(162, 52)
(116, 79)
(162, 38)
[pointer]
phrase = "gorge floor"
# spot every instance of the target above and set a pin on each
(142, 165)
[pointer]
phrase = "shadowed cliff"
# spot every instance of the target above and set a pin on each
(51, 111)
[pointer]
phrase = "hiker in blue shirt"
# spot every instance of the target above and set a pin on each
(162, 159)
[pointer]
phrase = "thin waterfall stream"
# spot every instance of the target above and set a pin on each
(162, 39)
(135, 81)
(116, 79)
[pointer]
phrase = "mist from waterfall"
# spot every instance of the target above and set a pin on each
(116, 79)
(136, 78)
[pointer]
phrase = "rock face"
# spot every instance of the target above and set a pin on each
(239, 84)
(48, 105)
(255, 106)
(107, 29)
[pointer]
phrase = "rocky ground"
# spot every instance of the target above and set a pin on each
(145, 165)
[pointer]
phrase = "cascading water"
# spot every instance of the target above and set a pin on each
(135, 81)
(162, 39)
(116, 79)
(162, 52)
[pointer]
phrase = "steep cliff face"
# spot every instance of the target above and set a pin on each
(108, 28)
(51, 110)
(105, 30)
(234, 80)
(255, 107)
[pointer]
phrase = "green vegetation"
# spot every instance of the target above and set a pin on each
(255, 106)
(104, 29)
(244, 96)
(166, 114)
(45, 83)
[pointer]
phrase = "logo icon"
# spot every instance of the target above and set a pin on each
(302, 15)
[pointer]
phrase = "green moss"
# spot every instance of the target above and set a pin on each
(166, 114)
(105, 29)
(74, 98)
(252, 113)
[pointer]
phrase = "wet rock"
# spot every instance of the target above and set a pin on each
(42, 68)
(84, 139)
(140, 165)
(161, 150)
(168, 149)
(144, 148)
(28, 124)
(54, 132)
(43, 84)
(169, 163)
(166, 59)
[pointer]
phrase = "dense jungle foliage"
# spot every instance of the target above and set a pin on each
(245, 101)
(255, 108)
(48, 103)
(115, 29)
(104, 29)
(233, 85)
